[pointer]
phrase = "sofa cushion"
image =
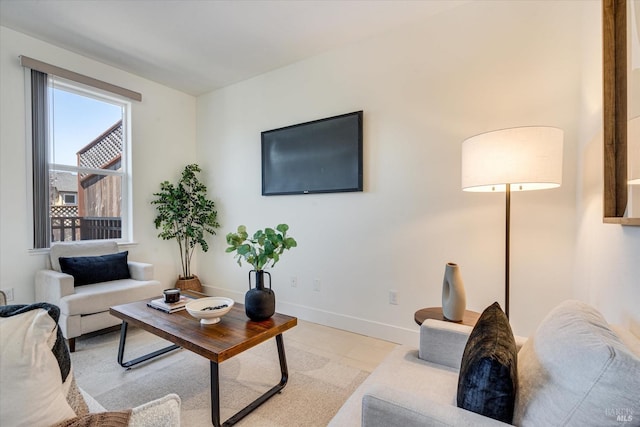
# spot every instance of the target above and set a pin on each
(402, 369)
(383, 406)
(96, 269)
(59, 346)
(488, 372)
(60, 351)
(98, 297)
(574, 370)
(31, 390)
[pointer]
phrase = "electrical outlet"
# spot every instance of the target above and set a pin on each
(293, 281)
(9, 294)
(393, 297)
(316, 285)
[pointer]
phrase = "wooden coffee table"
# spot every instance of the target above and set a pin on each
(234, 334)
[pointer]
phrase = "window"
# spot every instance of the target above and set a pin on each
(80, 168)
(87, 145)
(80, 142)
(69, 199)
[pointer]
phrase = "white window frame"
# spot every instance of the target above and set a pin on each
(125, 174)
(126, 207)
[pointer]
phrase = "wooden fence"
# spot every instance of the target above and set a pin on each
(68, 228)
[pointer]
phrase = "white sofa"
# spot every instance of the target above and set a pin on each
(574, 370)
(85, 309)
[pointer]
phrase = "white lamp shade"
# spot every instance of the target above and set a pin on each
(528, 158)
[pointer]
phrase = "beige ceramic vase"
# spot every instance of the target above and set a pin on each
(454, 299)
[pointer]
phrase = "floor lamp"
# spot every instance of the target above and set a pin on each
(516, 159)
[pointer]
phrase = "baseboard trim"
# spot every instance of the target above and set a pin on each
(345, 322)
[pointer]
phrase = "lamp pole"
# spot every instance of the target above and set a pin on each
(506, 248)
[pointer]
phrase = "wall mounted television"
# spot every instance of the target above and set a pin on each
(321, 156)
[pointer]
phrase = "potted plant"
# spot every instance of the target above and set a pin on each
(262, 250)
(184, 213)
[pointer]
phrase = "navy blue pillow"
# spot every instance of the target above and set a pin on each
(95, 269)
(488, 372)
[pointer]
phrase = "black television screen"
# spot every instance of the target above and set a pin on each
(322, 156)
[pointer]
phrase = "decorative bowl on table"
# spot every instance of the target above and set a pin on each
(209, 310)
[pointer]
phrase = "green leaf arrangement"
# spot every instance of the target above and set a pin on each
(264, 248)
(186, 215)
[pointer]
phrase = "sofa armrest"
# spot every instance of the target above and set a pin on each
(163, 412)
(443, 342)
(388, 407)
(140, 270)
(51, 286)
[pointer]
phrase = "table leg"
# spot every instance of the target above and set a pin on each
(123, 339)
(215, 394)
(215, 389)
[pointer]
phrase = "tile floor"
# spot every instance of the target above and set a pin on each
(352, 349)
(355, 350)
(97, 373)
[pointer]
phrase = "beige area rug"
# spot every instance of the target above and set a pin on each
(319, 383)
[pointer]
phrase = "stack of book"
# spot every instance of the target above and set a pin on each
(159, 304)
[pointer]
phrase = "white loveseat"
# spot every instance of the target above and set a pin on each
(575, 370)
(85, 309)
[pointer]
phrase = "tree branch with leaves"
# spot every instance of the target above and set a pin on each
(184, 213)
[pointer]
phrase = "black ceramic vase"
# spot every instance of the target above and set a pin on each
(259, 302)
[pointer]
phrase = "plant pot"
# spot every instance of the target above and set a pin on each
(190, 284)
(259, 302)
(454, 299)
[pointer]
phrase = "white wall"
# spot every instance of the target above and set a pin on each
(480, 67)
(163, 133)
(484, 66)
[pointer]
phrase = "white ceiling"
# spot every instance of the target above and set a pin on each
(200, 45)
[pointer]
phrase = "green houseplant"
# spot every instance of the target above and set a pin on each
(184, 213)
(262, 250)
